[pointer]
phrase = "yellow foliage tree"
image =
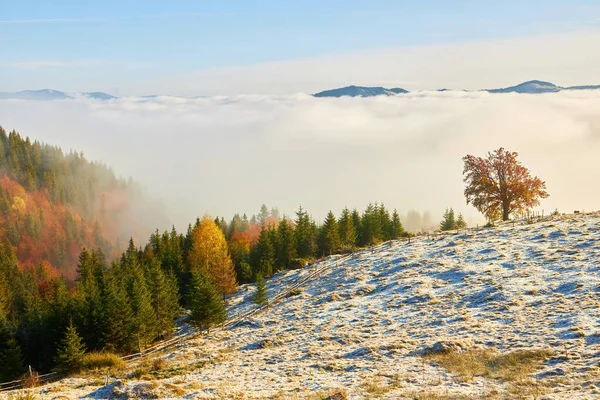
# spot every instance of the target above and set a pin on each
(210, 256)
(19, 204)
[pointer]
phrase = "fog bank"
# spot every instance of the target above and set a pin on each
(230, 154)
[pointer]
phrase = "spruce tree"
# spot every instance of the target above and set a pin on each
(448, 222)
(260, 295)
(460, 222)
(347, 230)
(286, 248)
(71, 352)
(397, 228)
(329, 241)
(144, 318)
(119, 318)
(11, 360)
(206, 303)
(164, 298)
(263, 255)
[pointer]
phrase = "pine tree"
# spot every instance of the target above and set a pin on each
(397, 228)
(329, 241)
(144, 318)
(460, 222)
(263, 254)
(206, 303)
(260, 295)
(11, 360)
(71, 352)
(305, 235)
(119, 318)
(164, 298)
(347, 230)
(448, 222)
(286, 248)
(263, 215)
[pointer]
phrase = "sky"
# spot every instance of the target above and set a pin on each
(181, 47)
(247, 131)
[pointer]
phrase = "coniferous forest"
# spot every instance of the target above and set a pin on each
(69, 284)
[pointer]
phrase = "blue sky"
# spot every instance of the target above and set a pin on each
(112, 45)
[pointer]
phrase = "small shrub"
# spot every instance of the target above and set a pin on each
(102, 359)
(31, 379)
(297, 263)
(158, 364)
(294, 292)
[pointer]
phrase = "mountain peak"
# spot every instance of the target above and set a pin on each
(360, 91)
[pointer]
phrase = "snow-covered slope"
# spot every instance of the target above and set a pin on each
(363, 326)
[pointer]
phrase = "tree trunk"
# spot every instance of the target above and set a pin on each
(505, 212)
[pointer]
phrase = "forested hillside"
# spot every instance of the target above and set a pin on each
(52, 203)
(65, 286)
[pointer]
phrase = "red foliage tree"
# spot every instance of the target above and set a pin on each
(499, 185)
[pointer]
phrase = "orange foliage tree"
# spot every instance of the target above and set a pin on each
(210, 257)
(499, 185)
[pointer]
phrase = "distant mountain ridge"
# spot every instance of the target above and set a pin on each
(529, 87)
(360, 91)
(50, 94)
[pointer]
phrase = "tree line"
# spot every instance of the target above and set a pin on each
(124, 305)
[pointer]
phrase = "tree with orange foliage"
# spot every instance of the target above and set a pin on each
(210, 257)
(499, 185)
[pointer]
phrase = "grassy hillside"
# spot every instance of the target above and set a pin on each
(497, 313)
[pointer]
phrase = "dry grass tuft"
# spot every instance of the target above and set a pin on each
(158, 364)
(515, 366)
(22, 396)
(103, 359)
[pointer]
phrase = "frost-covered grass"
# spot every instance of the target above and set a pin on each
(365, 326)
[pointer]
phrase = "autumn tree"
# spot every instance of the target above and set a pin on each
(499, 185)
(210, 256)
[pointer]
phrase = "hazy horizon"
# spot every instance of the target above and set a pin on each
(228, 154)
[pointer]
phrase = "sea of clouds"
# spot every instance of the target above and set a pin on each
(227, 154)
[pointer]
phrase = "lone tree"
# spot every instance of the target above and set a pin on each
(499, 185)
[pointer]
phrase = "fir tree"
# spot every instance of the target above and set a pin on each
(448, 222)
(286, 248)
(71, 352)
(119, 318)
(460, 222)
(11, 360)
(206, 303)
(263, 215)
(163, 291)
(329, 240)
(144, 318)
(397, 228)
(305, 235)
(260, 295)
(263, 255)
(347, 230)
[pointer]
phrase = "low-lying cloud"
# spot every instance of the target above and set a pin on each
(231, 153)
